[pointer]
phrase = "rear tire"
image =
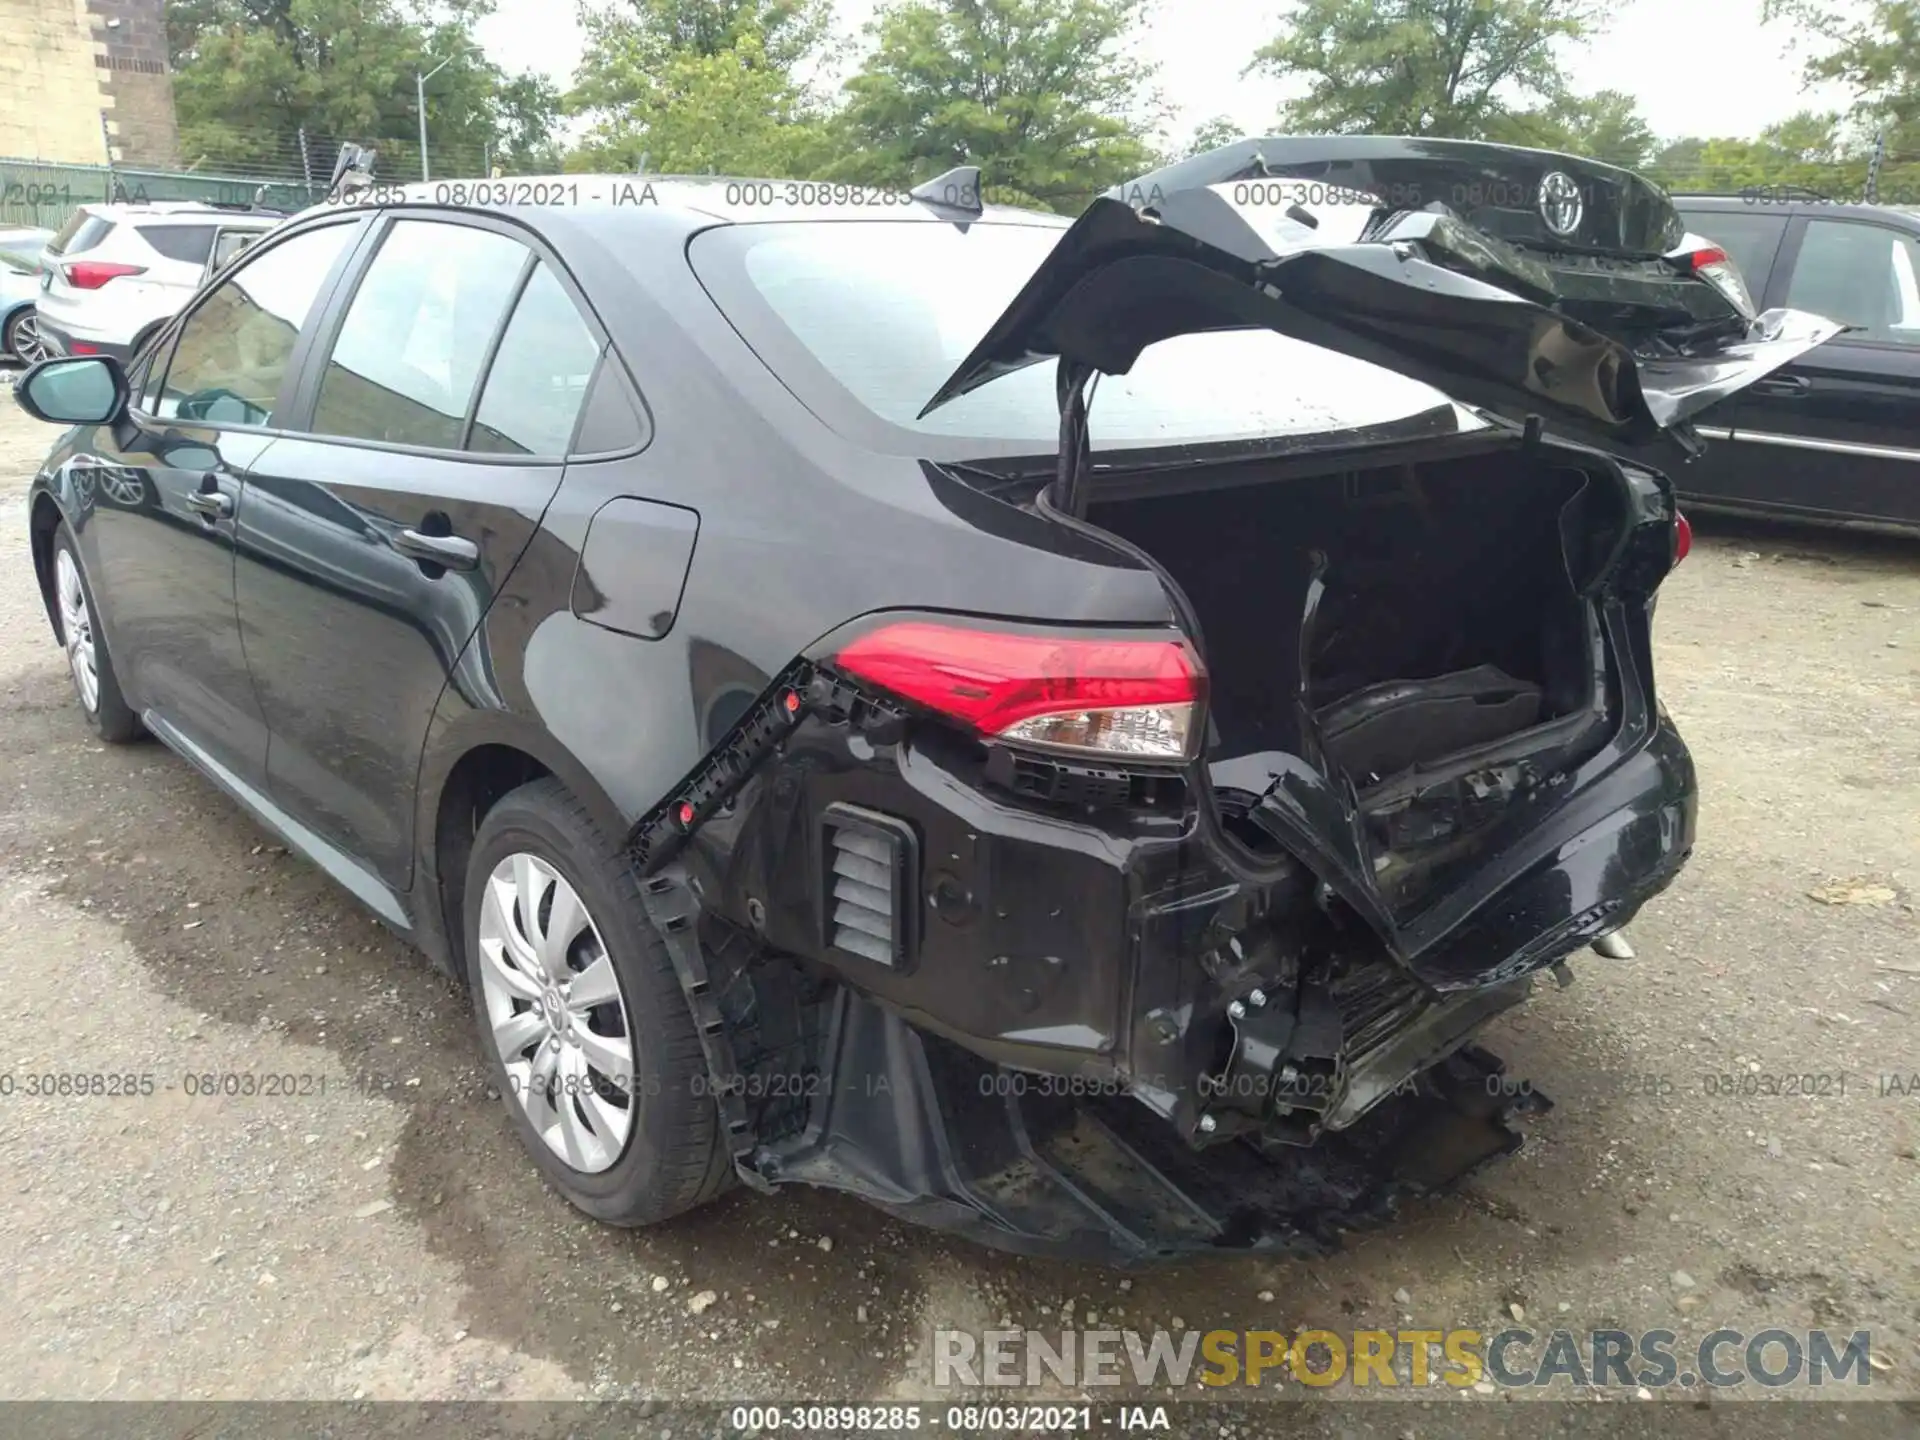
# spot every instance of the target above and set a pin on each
(630, 1149)
(89, 665)
(22, 339)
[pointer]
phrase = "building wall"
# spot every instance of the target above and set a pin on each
(135, 82)
(62, 65)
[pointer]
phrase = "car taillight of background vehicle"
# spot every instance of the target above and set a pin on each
(1116, 698)
(1682, 537)
(1716, 267)
(92, 274)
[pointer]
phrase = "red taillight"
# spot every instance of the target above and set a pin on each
(81, 347)
(1682, 537)
(92, 274)
(1098, 695)
(1712, 264)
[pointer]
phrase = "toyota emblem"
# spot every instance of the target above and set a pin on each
(1560, 203)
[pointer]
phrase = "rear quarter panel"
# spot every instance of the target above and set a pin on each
(799, 531)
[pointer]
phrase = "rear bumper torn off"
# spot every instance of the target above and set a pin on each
(933, 1134)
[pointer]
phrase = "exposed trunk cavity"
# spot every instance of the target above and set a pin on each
(1415, 630)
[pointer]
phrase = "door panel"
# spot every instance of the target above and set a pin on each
(370, 549)
(169, 492)
(163, 576)
(1836, 432)
(350, 636)
(1838, 435)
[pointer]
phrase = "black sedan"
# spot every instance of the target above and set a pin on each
(1834, 436)
(1092, 806)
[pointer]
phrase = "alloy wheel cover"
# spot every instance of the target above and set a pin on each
(76, 631)
(556, 1012)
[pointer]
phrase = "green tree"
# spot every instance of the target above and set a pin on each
(1809, 149)
(626, 42)
(726, 113)
(527, 112)
(1456, 68)
(250, 74)
(691, 86)
(1211, 135)
(1044, 96)
(1606, 125)
(1875, 52)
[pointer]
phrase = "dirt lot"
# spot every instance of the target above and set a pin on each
(388, 1241)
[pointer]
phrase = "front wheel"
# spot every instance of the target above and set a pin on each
(94, 682)
(590, 1040)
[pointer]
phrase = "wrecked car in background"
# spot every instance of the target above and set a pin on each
(1083, 785)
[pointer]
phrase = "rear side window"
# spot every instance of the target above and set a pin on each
(232, 354)
(188, 243)
(1751, 239)
(1861, 274)
(410, 348)
(539, 376)
(82, 232)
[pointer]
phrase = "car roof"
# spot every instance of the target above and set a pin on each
(184, 210)
(699, 200)
(1787, 202)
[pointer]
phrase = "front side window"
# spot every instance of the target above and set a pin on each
(1860, 274)
(414, 338)
(233, 350)
(539, 376)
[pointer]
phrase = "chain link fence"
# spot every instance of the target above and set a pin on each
(227, 166)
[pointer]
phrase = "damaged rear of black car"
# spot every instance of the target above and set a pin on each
(1136, 940)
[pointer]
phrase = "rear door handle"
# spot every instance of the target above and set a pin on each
(210, 502)
(1784, 386)
(451, 551)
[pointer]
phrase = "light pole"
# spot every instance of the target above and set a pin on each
(420, 101)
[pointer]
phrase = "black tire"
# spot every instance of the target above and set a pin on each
(112, 719)
(10, 342)
(674, 1158)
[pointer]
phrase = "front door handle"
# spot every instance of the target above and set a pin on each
(210, 502)
(451, 551)
(1783, 386)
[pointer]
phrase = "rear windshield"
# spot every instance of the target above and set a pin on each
(191, 243)
(82, 232)
(880, 313)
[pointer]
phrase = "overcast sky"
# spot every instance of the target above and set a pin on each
(1702, 69)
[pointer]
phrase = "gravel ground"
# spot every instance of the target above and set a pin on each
(385, 1239)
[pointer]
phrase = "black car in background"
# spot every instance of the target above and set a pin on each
(1834, 435)
(1092, 805)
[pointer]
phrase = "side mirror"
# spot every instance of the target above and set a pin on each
(74, 390)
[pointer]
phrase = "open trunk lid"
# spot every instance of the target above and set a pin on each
(1585, 318)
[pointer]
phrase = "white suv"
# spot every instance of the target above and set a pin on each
(115, 274)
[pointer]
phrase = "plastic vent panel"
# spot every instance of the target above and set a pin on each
(871, 882)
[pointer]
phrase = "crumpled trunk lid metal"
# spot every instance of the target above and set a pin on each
(1615, 352)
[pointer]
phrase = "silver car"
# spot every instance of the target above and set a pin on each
(19, 287)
